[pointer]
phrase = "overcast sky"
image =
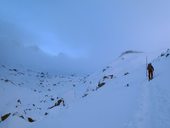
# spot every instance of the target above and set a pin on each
(86, 30)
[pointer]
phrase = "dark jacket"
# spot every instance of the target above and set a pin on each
(150, 67)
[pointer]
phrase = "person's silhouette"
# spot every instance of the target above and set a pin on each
(150, 69)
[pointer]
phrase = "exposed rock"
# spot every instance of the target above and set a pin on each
(105, 77)
(162, 54)
(52, 99)
(6, 80)
(58, 103)
(4, 117)
(46, 114)
(15, 70)
(126, 73)
(22, 117)
(104, 70)
(100, 85)
(30, 120)
(19, 101)
(129, 52)
(108, 77)
(39, 108)
(85, 95)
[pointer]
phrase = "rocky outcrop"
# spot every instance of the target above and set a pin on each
(4, 117)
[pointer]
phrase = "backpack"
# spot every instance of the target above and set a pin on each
(150, 67)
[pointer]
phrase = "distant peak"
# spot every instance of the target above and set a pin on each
(129, 52)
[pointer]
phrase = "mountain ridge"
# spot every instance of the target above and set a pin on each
(118, 95)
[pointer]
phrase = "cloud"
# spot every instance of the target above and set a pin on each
(16, 50)
(15, 54)
(86, 31)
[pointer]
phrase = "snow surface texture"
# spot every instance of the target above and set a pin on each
(118, 96)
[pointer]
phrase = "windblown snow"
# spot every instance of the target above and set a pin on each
(118, 96)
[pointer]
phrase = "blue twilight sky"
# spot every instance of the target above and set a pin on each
(88, 30)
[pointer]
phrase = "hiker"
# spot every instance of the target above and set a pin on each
(150, 71)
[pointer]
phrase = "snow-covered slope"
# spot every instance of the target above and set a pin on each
(117, 96)
(29, 94)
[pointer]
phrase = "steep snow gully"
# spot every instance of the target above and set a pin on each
(118, 96)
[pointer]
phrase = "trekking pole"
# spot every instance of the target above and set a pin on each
(146, 65)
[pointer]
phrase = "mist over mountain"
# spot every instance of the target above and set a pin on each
(33, 57)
